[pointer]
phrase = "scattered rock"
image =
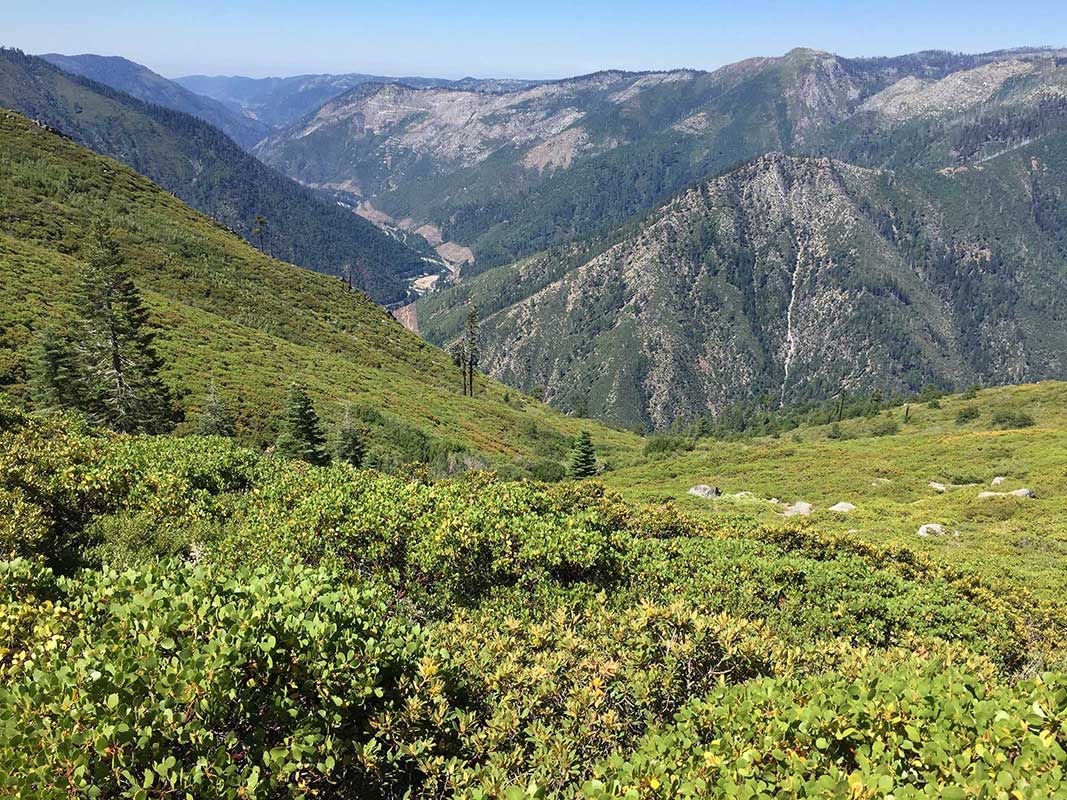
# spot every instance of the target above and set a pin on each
(743, 495)
(880, 481)
(798, 509)
(1013, 493)
(705, 491)
(842, 508)
(999, 480)
(932, 529)
(937, 487)
(774, 500)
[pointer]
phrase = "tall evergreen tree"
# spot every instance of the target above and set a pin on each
(119, 366)
(470, 347)
(54, 373)
(465, 352)
(301, 438)
(215, 419)
(351, 442)
(582, 461)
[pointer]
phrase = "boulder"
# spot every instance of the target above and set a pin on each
(880, 481)
(932, 529)
(1013, 493)
(705, 491)
(842, 508)
(798, 509)
(999, 480)
(937, 487)
(743, 495)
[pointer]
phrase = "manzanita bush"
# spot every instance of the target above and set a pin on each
(186, 618)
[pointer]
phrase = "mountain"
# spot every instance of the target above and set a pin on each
(279, 102)
(140, 82)
(795, 278)
(203, 167)
(506, 174)
(231, 315)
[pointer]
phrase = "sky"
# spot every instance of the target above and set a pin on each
(546, 39)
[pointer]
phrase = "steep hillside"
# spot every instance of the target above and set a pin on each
(209, 171)
(794, 277)
(231, 315)
(508, 174)
(140, 82)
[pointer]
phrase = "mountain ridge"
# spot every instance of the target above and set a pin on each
(144, 84)
(204, 167)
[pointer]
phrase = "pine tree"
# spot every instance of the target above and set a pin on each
(582, 461)
(53, 373)
(470, 348)
(119, 366)
(351, 447)
(215, 419)
(301, 438)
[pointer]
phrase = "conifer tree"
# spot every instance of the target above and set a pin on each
(301, 438)
(351, 446)
(582, 461)
(470, 348)
(215, 419)
(53, 373)
(119, 367)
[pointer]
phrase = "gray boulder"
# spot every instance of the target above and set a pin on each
(932, 529)
(842, 508)
(999, 480)
(705, 491)
(937, 487)
(798, 509)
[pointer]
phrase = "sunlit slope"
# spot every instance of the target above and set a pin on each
(888, 477)
(230, 314)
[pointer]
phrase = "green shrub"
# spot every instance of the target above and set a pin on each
(967, 414)
(1006, 419)
(201, 682)
(921, 729)
(665, 444)
(885, 427)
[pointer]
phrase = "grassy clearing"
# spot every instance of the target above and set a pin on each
(1023, 541)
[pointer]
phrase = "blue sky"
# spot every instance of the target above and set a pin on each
(529, 40)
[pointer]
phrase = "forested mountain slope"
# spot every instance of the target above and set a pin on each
(510, 173)
(796, 278)
(206, 169)
(230, 315)
(140, 82)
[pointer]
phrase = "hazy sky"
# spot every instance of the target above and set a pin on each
(550, 38)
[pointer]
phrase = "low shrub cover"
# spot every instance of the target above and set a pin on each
(195, 681)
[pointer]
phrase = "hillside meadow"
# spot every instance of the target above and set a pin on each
(884, 466)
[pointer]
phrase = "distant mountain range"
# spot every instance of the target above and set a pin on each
(205, 168)
(508, 174)
(279, 102)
